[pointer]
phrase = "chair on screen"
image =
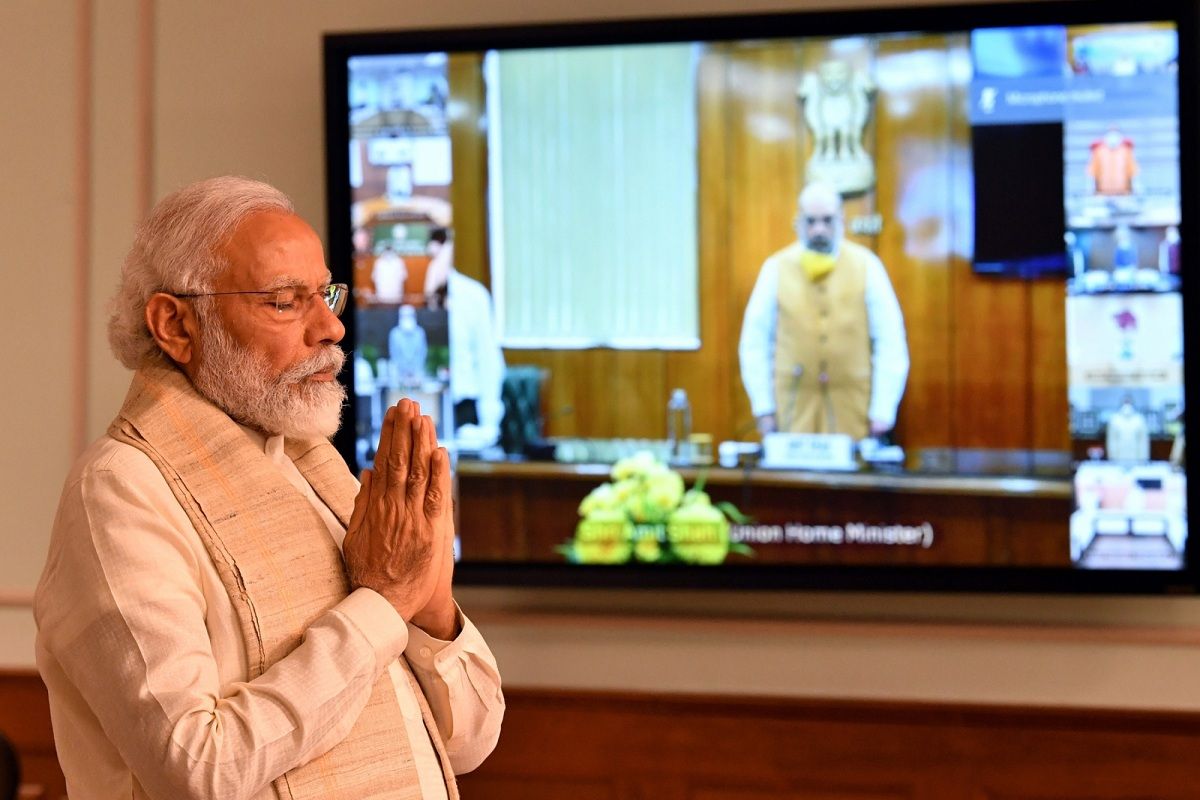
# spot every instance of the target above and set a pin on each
(522, 424)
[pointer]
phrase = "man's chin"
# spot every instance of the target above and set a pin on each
(304, 415)
(319, 420)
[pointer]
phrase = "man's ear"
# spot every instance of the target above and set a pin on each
(173, 324)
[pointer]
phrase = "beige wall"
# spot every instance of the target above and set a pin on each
(42, 133)
(108, 104)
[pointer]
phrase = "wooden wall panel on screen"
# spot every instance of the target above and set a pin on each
(638, 385)
(1026, 533)
(600, 392)
(592, 394)
(1049, 423)
(916, 139)
(726, 408)
(762, 168)
(764, 156)
(494, 523)
(991, 360)
(468, 165)
(991, 406)
(705, 372)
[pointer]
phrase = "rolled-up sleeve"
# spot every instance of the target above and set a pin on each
(461, 681)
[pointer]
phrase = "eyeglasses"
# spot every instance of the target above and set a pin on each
(293, 303)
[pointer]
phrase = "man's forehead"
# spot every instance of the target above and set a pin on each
(820, 199)
(275, 250)
(819, 205)
(263, 230)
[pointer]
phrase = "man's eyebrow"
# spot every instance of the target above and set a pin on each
(292, 282)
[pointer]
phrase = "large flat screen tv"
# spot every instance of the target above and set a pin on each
(873, 299)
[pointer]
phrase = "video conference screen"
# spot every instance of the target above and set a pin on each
(752, 300)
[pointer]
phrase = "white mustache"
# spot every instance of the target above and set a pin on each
(331, 359)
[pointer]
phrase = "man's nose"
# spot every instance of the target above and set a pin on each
(324, 327)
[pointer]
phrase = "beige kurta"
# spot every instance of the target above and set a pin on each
(140, 648)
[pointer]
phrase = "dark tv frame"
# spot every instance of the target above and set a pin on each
(337, 47)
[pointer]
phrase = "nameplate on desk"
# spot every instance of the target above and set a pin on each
(808, 451)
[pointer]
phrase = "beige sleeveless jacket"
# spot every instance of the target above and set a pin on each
(280, 566)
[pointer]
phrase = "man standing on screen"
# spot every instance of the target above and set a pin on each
(823, 346)
(225, 611)
(476, 361)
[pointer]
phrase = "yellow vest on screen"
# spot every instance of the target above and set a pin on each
(822, 367)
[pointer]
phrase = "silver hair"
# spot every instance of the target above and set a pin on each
(177, 249)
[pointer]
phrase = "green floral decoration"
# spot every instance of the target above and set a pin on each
(645, 514)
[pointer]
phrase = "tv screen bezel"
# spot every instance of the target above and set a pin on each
(339, 47)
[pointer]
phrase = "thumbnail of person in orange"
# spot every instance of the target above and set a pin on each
(1112, 166)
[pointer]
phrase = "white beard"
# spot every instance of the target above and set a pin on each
(239, 382)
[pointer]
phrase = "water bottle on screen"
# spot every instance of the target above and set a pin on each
(679, 426)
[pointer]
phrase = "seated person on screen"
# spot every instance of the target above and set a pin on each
(361, 239)
(1127, 436)
(389, 274)
(1178, 446)
(1125, 256)
(408, 348)
(823, 348)
(1168, 252)
(476, 361)
(225, 612)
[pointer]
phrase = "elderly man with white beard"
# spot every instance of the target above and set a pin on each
(225, 612)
